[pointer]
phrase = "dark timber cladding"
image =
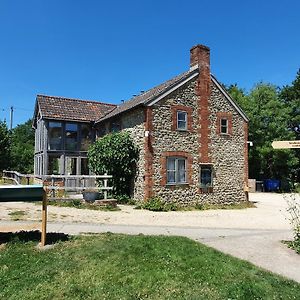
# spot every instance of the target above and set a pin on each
(64, 128)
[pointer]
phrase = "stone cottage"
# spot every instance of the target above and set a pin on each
(192, 136)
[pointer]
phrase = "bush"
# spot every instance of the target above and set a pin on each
(294, 211)
(124, 199)
(156, 204)
(116, 155)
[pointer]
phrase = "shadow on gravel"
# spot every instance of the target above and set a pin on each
(32, 236)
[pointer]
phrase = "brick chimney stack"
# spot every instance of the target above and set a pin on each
(200, 55)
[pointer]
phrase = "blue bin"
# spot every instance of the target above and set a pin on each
(271, 185)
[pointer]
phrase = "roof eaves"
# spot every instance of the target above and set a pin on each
(106, 117)
(152, 100)
(74, 99)
(171, 89)
(67, 119)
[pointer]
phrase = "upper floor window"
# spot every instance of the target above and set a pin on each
(181, 120)
(224, 126)
(55, 135)
(115, 127)
(71, 136)
(176, 170)
(86, 137)
(224, 123)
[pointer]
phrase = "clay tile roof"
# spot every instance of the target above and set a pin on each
(149, 95)
(61, 108)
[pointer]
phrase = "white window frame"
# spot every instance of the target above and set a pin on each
(224, 126)
(176, 170)
(185, 120)
(203, 167)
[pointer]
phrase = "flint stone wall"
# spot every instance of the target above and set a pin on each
(227, 152)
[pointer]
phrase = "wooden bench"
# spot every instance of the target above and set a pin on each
(27, 193)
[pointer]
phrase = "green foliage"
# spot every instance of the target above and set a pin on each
(294, 217)
(22, 148)
(77, 203)
(111, 266)
(268, 121)
(5, 147)
(156, 204)
(124, 199)
(290, 95)
(116, 155)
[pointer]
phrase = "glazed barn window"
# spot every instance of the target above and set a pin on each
(55, 136)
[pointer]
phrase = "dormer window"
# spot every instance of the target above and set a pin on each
(181, 120)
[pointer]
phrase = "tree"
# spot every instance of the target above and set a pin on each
(4, 146)
(268, 121)
(290, 95)
(22, 148)
(238, 95)
(116, 155)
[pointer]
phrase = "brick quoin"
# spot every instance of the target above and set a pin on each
(163, 163)
(224, 115)
(246, 153)
(200, 55)
(188, 110)
(148, 141)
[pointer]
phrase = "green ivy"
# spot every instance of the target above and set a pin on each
(116, 155)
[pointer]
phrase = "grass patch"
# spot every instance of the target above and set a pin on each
(295, 245)
(110, 266)
(240, 205)
(17, 215)
(76, 203)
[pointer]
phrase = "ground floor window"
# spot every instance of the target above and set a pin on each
(206, 178)
(84, 166)
(54, 165)
(176, 170)
(71, 166)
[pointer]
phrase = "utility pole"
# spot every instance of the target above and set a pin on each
(11, 116)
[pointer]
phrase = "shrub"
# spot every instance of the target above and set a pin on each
(116, 155)
(156, 204)
(294, 211)
(124, 199)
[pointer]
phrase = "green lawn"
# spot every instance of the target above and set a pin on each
(110, 266)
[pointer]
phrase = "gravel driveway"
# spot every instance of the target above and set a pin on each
(253, 234)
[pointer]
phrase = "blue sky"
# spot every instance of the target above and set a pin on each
(110, 50)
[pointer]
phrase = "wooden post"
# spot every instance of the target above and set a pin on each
(52, 186)
(44, 219)
(105, 187)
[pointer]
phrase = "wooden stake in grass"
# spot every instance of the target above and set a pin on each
(44, 219)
